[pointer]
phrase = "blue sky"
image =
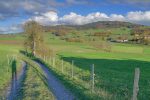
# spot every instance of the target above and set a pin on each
(14, 13)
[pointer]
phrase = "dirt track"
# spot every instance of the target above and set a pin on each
(60, 92)
(16, 83)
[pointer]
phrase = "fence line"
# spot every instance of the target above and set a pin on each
(87, 79)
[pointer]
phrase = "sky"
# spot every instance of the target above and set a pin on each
(14, 13)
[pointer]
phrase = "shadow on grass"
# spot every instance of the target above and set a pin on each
(68, 83)
(113, 76)
(116, 75)
(20, 94)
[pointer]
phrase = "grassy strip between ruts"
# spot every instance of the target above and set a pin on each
(34, 85)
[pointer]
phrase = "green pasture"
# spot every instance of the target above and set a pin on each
(114, 70)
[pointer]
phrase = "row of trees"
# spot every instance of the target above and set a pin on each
(141, 35)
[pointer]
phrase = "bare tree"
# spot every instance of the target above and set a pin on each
(34, 34)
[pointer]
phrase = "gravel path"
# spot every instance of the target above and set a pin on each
(16, 83)
(60, 92)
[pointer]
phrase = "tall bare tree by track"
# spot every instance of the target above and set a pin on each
(34, 36)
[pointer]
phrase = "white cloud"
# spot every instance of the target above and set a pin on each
(11, 29)
(1, 16)
(115, 17)
(139, 16)
(51, 18)
(76, 19)
(72, 18)
(47, 18)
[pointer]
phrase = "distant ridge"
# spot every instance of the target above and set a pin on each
(108, 24)
(96, 25)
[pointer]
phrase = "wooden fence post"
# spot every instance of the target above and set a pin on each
(44, 58)
(53, 61)
(50, 60)
(62, 69)
(72, 68)
(92, 77)
(136, 84)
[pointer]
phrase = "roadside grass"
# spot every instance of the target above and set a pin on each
(6, 54)
(35, 84)
(75, 85)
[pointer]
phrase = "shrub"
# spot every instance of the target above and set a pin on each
(74, 40)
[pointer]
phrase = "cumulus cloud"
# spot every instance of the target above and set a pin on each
(11, 29)
(115, 17)
(78, 2)
(139, 16)
(47, 18)
(72, 18)
(130, 1)
(141, 4)
(11, 8)
(51, 18)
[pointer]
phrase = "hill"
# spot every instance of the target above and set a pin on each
(95, 25)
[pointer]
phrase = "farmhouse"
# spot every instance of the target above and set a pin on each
(122, 40)
(147, 36)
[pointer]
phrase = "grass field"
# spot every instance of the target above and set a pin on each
(114, 70)
(5, 67)
(33, 85)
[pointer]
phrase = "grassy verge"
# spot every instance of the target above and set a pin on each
(114, 72)
(34, 85)
(79, 85)
(6, 55)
